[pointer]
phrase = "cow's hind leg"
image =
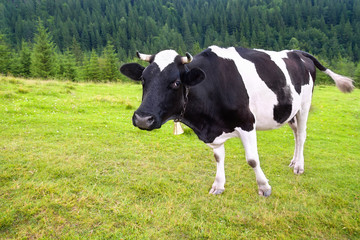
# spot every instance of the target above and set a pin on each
(218, 186)
(299, 129)
(252, 157)
(293, 125)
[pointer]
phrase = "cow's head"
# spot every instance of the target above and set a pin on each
(164, 82)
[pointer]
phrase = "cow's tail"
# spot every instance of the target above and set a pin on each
(343, 83)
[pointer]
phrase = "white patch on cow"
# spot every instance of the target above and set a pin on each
(306, 94)
(220, 140)
(165, 58)
(261, 99)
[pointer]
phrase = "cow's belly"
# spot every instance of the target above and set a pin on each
(265, 119)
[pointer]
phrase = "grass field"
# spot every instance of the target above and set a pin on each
(72, 166)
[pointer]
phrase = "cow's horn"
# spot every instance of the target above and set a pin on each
(144, 57)
(187, 59)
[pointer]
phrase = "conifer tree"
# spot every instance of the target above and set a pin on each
(92, 69)
(69, 66)
(196, 48)
(25, 59)
(357, 75)
(4, 56)
(43, 54)
(293, 43)
(15, 66)
(77, 52)
(110, 70)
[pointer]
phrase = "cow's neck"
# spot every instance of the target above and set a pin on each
(200, 115)
(220, 103)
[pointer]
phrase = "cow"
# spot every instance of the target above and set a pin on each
(223, 93)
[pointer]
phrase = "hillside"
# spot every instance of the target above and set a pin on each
(330, 28)
(81, 30)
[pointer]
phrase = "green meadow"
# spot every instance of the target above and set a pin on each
(72, 166)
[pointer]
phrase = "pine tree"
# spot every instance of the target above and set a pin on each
(4, 56)
(357, 75)
(293, 43)
(93, 72)
(15, 65)
(77, 52)
(186, 34)
(69, 66)
(110, 70)
(196, 48)
(25, 59)
(43, 54)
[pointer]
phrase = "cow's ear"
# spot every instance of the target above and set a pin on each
(194, 76)
(132, 70)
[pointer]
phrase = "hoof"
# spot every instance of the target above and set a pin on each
(265, 193)
(298, 170)
(215, 191)
(292, 163)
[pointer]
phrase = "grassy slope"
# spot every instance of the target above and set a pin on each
(73, 166)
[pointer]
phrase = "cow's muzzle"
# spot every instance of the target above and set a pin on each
(145, 122)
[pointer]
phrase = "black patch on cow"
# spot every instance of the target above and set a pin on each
(217, 158)
(310, 62)
(252, 163)
(292, 121)
(297, 70)
(274, 78)
(220, 103)
(283, 109)
(313, 60)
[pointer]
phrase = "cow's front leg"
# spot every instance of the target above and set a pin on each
(218, 186)
(252, 157)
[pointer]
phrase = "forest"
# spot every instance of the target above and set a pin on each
(87, 40)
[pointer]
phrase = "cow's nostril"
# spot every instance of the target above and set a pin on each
(150, 120)
(143, 122)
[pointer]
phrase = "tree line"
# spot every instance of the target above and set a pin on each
(42, 59)
(89, 39)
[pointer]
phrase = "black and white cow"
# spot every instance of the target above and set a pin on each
(223, 93)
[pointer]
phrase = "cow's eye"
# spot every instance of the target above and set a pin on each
(176, 84)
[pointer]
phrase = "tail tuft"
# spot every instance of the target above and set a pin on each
(343, 83)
